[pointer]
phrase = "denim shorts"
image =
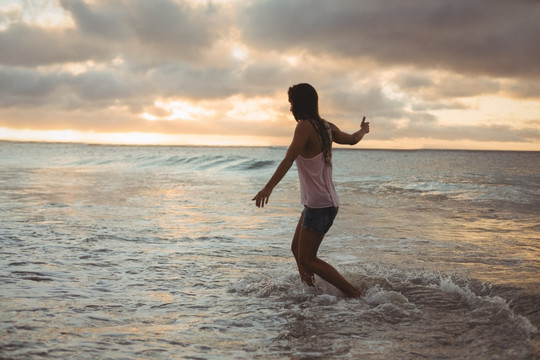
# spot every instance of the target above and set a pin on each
(319, 220)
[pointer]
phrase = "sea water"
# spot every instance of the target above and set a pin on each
(125, 252)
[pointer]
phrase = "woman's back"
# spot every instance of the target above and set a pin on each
(314, 144)
(316, 186)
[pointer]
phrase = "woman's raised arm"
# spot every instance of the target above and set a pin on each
(344, 138)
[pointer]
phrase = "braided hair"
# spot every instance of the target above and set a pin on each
(305, 106)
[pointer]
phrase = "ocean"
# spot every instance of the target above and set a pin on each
(156, 252)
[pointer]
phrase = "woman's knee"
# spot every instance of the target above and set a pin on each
(306, 262)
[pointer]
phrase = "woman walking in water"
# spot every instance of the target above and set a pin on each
(311, 148)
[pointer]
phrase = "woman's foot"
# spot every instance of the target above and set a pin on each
(356, 294)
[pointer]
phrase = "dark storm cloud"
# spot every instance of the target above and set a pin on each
(496, 37)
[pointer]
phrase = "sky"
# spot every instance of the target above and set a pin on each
(448, 74)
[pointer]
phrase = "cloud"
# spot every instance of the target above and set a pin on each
(429, 69)
(499, 133)
(107, 21)
(439, 86)
(185, 80)
(371, 100)
(493, 37)
(27, 87)
(160, 29)
(9, 14)
(31, 45)
(157, 31)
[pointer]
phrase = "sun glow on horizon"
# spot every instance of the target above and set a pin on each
(142, 138)
(136, 138)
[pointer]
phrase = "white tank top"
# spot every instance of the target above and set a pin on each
(316, 186)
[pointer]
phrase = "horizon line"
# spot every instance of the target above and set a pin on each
(339, 147)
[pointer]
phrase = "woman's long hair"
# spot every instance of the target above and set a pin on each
(305, 106)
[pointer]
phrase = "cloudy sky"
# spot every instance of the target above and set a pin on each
(426, 73)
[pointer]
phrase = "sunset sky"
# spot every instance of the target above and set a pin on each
(457, 74)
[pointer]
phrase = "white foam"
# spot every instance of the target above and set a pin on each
(376, 296)
(493, 307)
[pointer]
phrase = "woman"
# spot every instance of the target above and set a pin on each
(311, 147)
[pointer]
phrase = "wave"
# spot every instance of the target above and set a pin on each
(422, 313)
(392, 292)
(254, 165)
(189, 163)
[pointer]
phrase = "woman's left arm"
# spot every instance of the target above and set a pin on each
(342, 137)
(301, 136)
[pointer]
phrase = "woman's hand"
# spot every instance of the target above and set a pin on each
(364, 129)
(364, 126)
(262, 197)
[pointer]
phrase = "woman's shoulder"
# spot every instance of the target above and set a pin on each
(305, 125)
(331, 125)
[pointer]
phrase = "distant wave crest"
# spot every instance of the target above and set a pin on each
(194, 162)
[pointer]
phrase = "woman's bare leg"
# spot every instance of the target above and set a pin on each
(308, 246)
(305, 276)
